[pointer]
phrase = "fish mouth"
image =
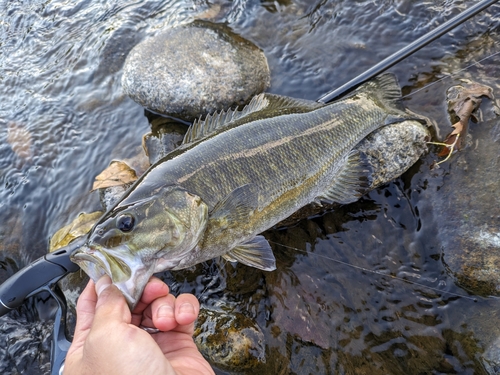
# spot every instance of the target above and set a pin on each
(128, 273)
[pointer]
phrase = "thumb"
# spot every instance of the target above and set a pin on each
(111, 305)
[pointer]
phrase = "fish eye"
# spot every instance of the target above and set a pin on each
(125, 222)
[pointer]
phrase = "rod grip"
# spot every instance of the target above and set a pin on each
(15, 289)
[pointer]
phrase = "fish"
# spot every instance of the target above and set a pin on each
(237, 174)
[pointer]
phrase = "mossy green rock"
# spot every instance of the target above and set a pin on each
(229, 340)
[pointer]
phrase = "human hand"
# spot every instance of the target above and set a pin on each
(108, 339)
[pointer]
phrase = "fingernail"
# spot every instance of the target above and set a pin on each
(165, 311)
(186, 308)
(102, 284)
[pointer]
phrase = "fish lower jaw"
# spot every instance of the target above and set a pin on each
(130, 280)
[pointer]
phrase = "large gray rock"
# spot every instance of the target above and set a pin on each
(463, 196)
(195, 69)
(469, 221)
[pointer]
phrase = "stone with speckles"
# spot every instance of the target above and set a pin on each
(195, 69)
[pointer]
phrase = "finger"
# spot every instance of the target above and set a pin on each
(155, 288)
(187, 309)
(179, 313)
(111, 306)
(85, 311)
(162, 313)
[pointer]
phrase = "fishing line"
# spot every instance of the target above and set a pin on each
(451, 75)
(219, 267)
(377, 272)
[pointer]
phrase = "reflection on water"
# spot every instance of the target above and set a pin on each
(63, 118)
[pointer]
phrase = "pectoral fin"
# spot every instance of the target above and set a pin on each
(255, 253)
(225, 220)
(352, 180)
(238, 206)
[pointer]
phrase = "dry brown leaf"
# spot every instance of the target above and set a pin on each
(80, 226)
(452, 141)
(117, 173)
(467, 99)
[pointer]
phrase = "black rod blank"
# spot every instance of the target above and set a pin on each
(405, 52)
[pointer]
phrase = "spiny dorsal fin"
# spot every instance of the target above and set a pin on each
(255, 253)
(219, 120)
(273, 104)
(352, 180)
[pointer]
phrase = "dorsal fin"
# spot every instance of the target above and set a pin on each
(288, 104)
(219, 120)
(273, 104)
(385, 88)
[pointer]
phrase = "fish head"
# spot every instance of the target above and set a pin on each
(138, 238)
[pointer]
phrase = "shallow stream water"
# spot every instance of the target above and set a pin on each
(63, 118)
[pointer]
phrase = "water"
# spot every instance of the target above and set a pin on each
(64, 118)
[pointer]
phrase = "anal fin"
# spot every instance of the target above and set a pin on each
(255, 253)
(352, 180)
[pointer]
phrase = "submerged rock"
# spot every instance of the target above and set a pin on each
(195, 69)
(25, 345)
(470, 227)
(230, 341)
(466, 205)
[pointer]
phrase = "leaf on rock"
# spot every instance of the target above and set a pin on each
(117, 173)
(79, 227)
(462, 102)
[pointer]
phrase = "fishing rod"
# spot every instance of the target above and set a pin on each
(403, 53)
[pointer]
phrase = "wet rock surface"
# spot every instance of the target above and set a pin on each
(165, 135)
(462, 197)
(229, 340)
(471, 231)
(466, 204)
(195, 69)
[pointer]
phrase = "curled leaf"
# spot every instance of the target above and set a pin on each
(462, 102)
(117, 173)
(79, 227)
